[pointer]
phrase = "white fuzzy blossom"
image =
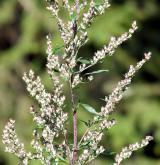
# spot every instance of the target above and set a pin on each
(110, 48)
(106, 124)
(95, 136)
(36, 88)
(89, 154)
(83, 4)
(76, 80)
(113, 44)
(13, 145)
(54, 64)
(90, 78)
(117, 93)
(92, 138)
(93, 11)
(66, 4)
(39, 151)
(51, 117)
(127, 151)
(65, 29)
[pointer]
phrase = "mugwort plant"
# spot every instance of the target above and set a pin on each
(51, 119)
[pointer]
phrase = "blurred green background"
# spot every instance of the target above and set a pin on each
(23, 27)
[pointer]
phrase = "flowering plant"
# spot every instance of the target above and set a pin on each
(51, 118)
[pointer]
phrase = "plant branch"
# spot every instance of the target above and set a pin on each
(83, 136)
(75, 136)
(67, 147)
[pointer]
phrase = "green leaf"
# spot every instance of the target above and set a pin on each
(84, 61)
(108, 153)
(63, 160)
(97, 5)
(84, 145)
(89, 108)
(87, 123)
(73, 16)
(96, 72)
(58, 50)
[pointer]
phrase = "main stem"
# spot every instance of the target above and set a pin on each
(75, 136)
(75, 132)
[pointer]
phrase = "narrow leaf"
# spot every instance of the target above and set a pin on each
(109, 153)
(89, 108)
(96, 72)
(87, 123)
(84, 61)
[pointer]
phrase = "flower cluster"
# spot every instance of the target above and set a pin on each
(36, 88)
(110, 48)
(113, 44)
(117, 93)
(127, 151)
(51, 105)
(65, 30)
(65, 69)
(111, 101)
(94, 10)
(12, 143)
(92, 139)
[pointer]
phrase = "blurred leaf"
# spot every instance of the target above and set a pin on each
(108, 152)
(88, 123)
(96, 72)
(89, 108)
(83, 61)
(73, 16)
(58, 50)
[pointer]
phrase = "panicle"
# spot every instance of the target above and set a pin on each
(94, 10)
(127, 151)
(118, 92)
(12, 143)
(113, 44)
(92, 138)
(36, 88)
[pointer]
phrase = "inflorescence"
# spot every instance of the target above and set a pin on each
(51, 119)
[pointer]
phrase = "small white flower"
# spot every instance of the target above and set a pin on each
(127, 151)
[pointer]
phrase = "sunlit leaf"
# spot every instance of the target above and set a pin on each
(84, 61)
(96, 72)
(89, 108)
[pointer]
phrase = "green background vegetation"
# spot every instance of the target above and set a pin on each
(23, 27)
